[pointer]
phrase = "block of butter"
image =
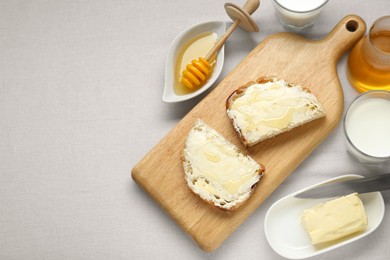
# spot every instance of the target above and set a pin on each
(335, 219)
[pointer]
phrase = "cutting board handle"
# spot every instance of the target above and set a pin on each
(344, 35)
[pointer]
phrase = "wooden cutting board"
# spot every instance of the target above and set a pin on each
(284, 55)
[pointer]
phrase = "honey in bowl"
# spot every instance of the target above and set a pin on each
(199, 46)
(369, 61)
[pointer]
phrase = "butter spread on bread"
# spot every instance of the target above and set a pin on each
(216, 170)
(270, 106)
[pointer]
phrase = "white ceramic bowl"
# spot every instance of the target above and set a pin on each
(286, 235)
(169, 94)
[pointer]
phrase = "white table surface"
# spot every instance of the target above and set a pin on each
(80, 104)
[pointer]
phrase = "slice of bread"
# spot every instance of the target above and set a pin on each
(270, 106)
(216, 170)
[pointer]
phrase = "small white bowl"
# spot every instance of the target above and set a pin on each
(169, 94)
(286, 235)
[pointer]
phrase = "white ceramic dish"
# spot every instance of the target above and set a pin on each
(169, 94)
(288, 238)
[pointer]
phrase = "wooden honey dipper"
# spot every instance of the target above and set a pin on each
(198, 71)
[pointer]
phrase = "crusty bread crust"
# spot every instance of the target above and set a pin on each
(240, 91)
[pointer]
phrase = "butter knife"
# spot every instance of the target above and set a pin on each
(378, 182)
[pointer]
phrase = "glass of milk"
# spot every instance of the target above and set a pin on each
(367, 127)
(298, 15)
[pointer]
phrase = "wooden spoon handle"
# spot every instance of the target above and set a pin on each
(251, 5)
(222, 40)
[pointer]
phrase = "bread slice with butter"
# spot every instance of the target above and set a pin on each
(270, 106)
(216, 170)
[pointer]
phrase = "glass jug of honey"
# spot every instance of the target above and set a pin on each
(369, 61)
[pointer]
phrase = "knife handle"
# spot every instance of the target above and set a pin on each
(378, 182)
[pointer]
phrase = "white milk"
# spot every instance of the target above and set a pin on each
(298, 14)
(301, 5)
(368, 126)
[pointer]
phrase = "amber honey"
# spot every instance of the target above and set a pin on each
(199, 46)
(369, 63)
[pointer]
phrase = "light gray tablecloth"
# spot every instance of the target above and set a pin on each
(80, 104)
